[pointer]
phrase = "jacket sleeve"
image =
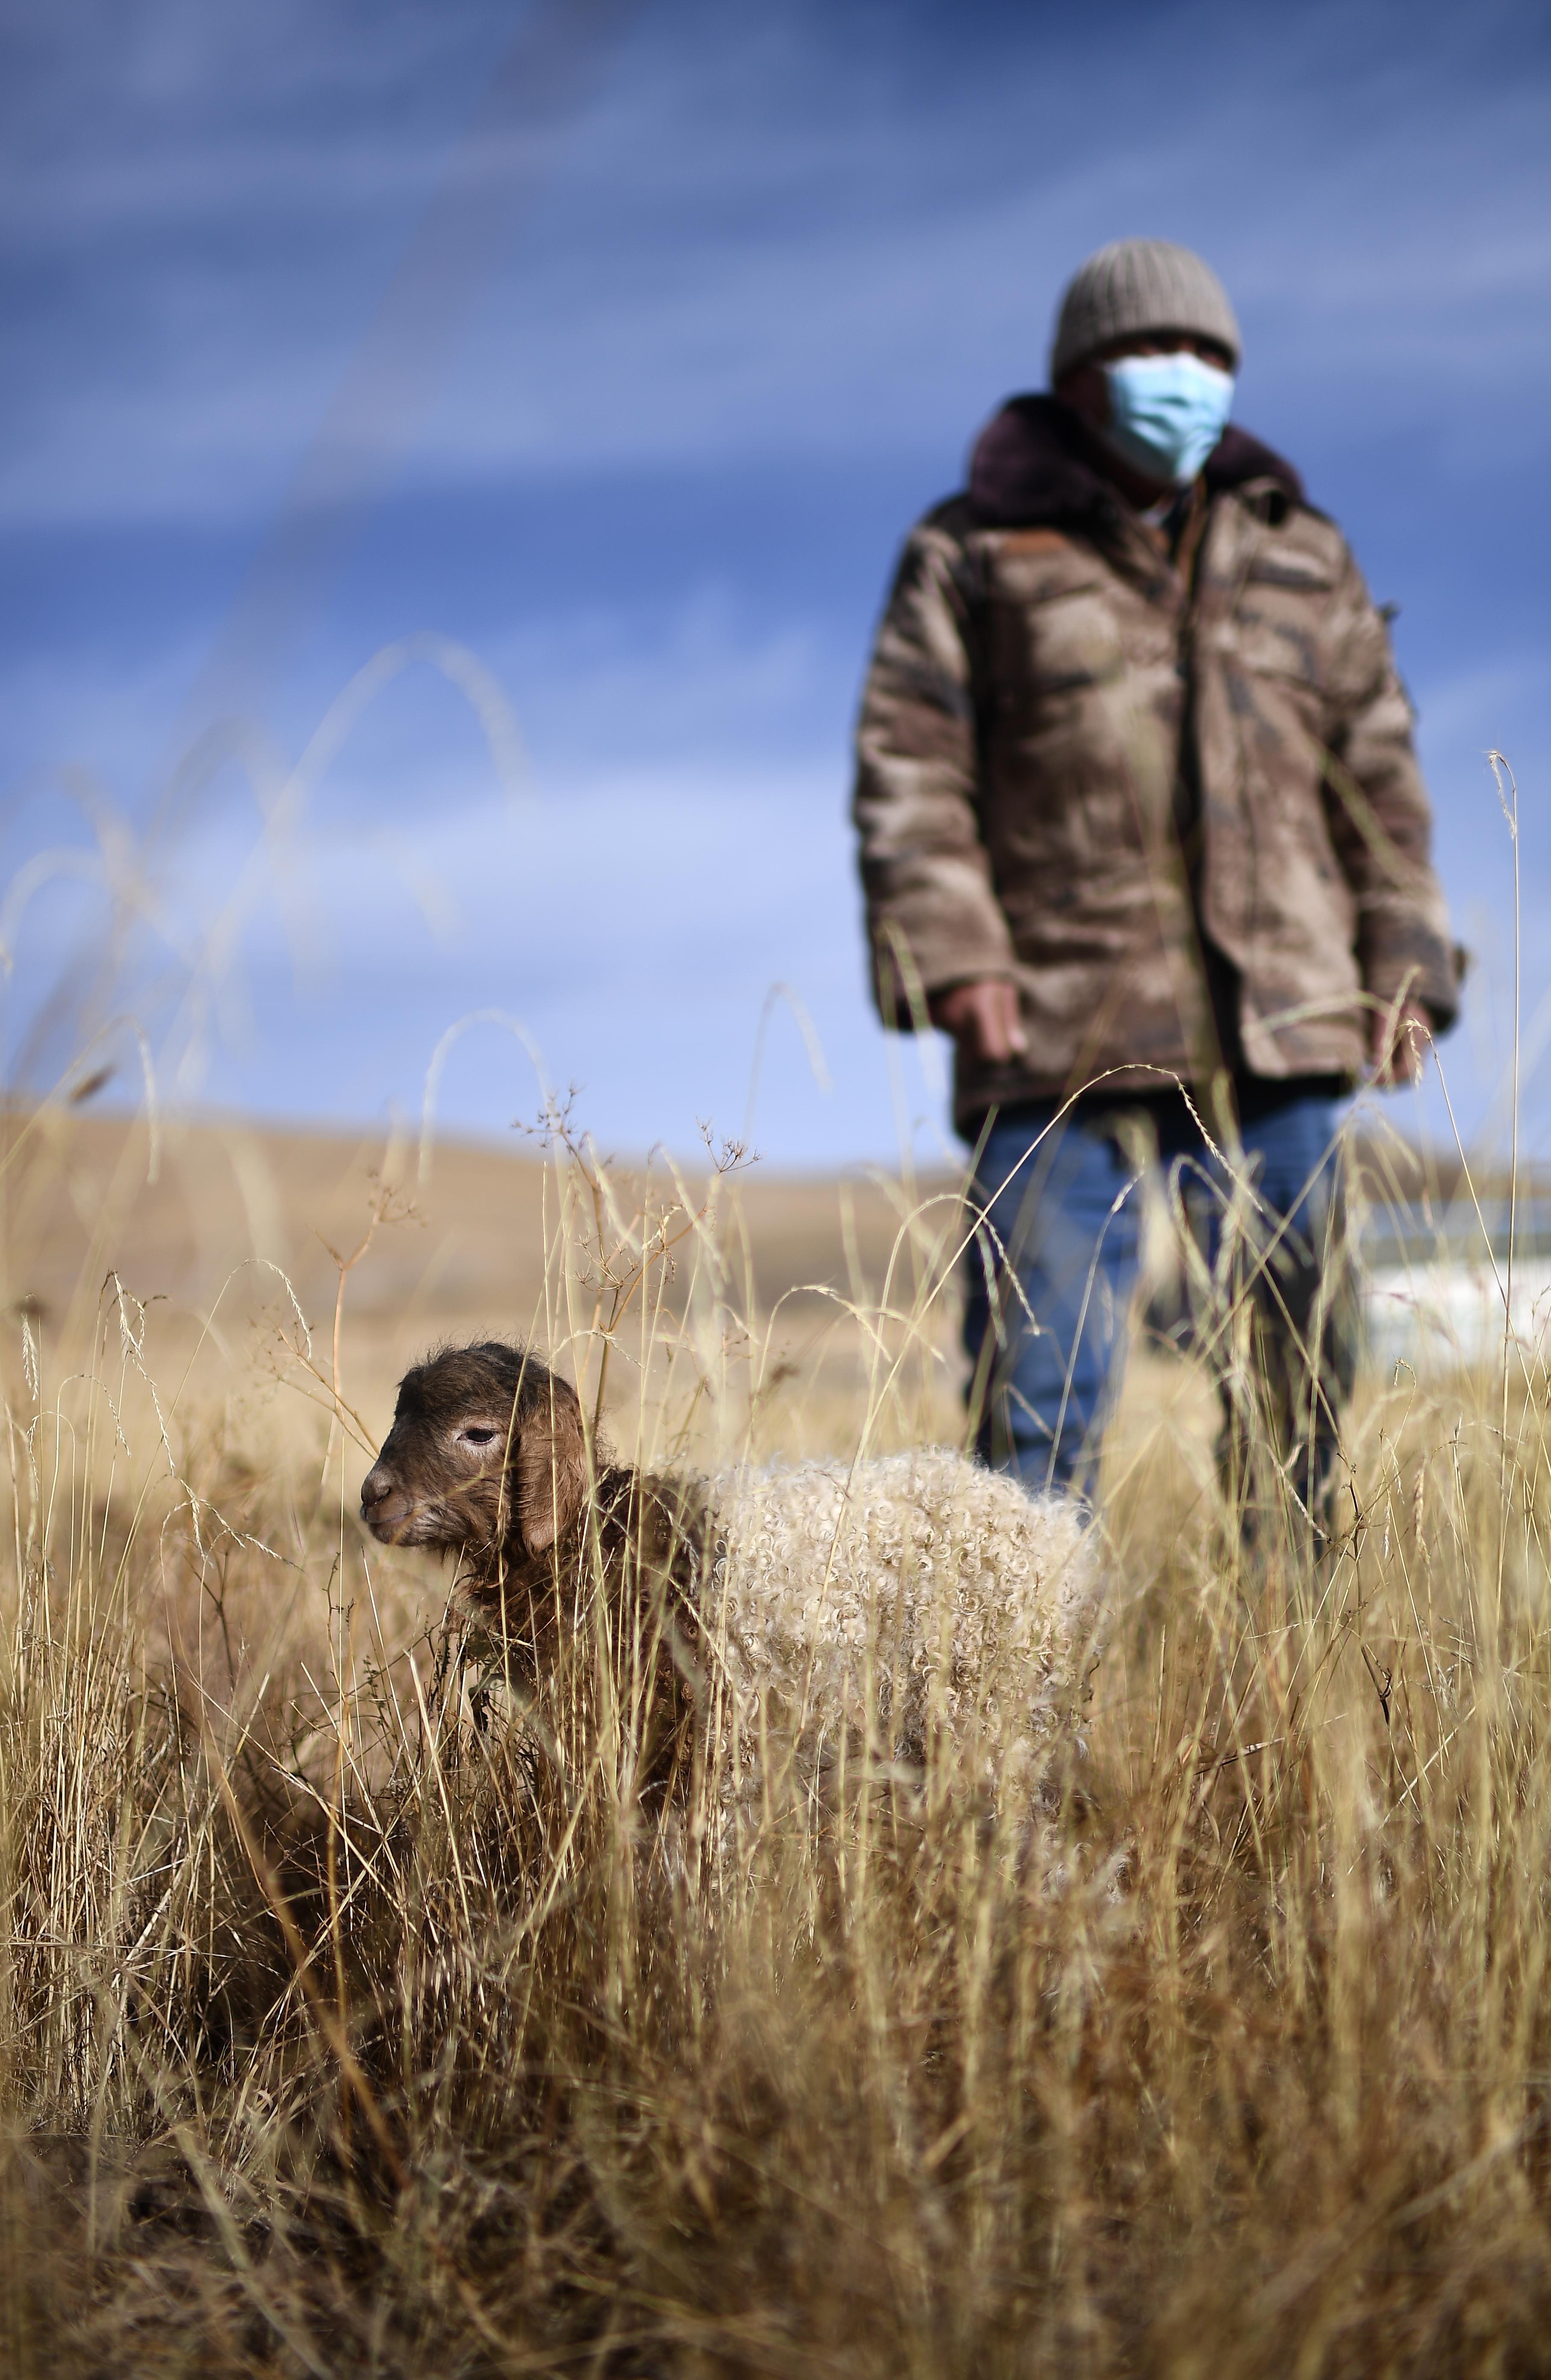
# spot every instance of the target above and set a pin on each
(1381, 822)
(932, 911)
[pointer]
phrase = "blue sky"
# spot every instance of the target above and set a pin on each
(618, 346)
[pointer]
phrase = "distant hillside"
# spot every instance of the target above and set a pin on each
(233, 1204)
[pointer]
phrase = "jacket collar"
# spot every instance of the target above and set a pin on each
(1034, 462)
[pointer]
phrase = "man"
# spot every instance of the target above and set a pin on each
(1143, 829)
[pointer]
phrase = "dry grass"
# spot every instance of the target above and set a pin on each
(340, 2031)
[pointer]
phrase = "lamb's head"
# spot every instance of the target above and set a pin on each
(485, 1454)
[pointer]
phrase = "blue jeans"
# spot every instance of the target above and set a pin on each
(1055, 1266)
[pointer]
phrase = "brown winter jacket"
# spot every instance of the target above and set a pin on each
(1081, 772)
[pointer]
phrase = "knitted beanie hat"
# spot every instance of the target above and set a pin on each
(1140, 284)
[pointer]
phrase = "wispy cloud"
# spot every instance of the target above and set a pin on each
(767, 236)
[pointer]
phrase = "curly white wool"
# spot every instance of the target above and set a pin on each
(916, 1586)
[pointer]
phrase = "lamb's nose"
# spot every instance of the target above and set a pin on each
(375, 1489)
(385, 1506)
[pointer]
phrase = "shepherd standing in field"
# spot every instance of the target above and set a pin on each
(1143, 829)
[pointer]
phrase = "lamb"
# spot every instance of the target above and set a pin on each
(910, 1595)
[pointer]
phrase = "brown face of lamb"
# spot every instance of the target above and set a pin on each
(485, 1452)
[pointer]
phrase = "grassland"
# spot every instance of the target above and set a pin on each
(339, 2034)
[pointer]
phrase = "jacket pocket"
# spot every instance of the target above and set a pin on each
(1276, 623)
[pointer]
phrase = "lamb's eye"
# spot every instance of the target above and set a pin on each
(478, 1437)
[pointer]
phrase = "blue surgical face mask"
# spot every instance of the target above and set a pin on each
(1166, 413)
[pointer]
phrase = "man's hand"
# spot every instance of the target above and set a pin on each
(982, 1018)
(1398, 1044)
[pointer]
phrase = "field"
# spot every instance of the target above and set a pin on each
(340, 2033)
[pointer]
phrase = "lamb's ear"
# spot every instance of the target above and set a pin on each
(551, 1468)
